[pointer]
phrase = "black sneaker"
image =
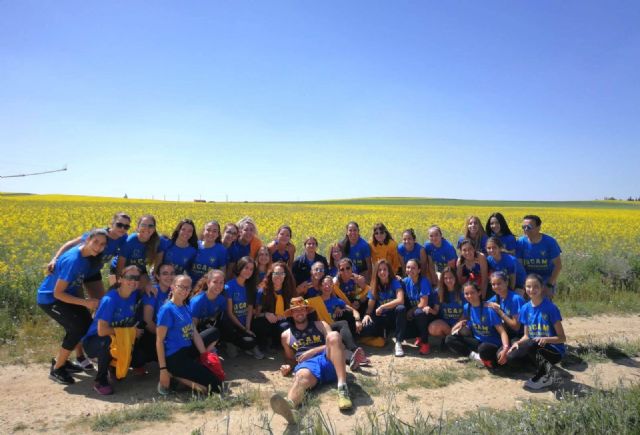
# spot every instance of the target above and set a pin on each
(60, 375)
(73, 367)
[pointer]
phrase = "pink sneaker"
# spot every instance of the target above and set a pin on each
(103, 390)
(424, 348)
(418, 342)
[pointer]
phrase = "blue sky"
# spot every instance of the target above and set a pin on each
(315, 100)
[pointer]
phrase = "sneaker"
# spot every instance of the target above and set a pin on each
(344, 401)
(73, 367)
(418, 342)
(232, 350)
(358, 357)
(284, 407)
(85, 363)
(474, 356)
(103, 389)
(540, 383)
(424, 348)
(399, 351)
(60, 375)
(162, 390)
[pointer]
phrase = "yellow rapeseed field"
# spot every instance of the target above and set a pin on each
(33, 227)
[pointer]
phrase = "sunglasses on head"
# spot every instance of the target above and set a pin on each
(132, 277)
(122, 225)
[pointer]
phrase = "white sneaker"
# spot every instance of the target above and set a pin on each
(544, 382)
(399, 351)
(474, 356)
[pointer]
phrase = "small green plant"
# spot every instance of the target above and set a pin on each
(438, 377)
(127, 419)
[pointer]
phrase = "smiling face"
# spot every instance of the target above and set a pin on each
(336, 253)
(383, 272)
(408, 240)
(449, 280)
(310, 246)
(119, 226)
(278, 276)
(247, 271)
(533, 288)
(499, 286)
(129, 281)
(345, 270)
(181, 288)
(247, 232)
(353, 233)
(185, 233)
(215, 284)
(211, 233)
(379, 233)
(473, 226)
(146, 228)
(166, 274)
(327, 286)
(412, 269)
(230, 234)
(471, 294)
(317, 271)
(283, 237)
(435, 237)
(468, 251)
(95, 245)
(263, 257)
(530, 228)
(493, 249)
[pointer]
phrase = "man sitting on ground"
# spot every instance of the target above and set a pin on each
(315, 354)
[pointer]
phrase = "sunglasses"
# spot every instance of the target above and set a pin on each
(527, 227)
(342, 269)
(132, 277)
(150, 226)
(122, 226)
(279, 273)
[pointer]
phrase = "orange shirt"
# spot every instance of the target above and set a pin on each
(389, 252)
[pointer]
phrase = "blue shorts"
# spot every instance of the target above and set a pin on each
(320, 367)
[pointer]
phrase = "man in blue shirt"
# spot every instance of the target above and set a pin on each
(539, 253)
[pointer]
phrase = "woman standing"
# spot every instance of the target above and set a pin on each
(211, 252)
(58, 297)
(474, 232)
(354, 247)
(410, 250)
(385, 308)
(117, 310)
(543, 339)
(302, 265)
(263, 262)
(247, 244)
(116, 238)
(281, 249)
(384, 247)
(181, 250)
(489, 342)
(497, 226)
(179, 345)
(441, 252)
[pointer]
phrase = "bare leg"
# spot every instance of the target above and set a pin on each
(79, 351)
(302, 381)
(190, 384)
(335, 353)
(61, 358)
(439, 328)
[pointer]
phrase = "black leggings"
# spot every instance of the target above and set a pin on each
(465, 345)
(75, 319)
(184, 364)
(232, 334)
(541, 357)
(418, 326)
(265, 330)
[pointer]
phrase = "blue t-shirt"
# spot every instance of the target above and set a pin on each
(116, 311)
(388, 294)
(71, 267)
(451, 309)
(509, 242)
(540, 321)
(334, 302)
(204, 308)
(511, 305)
(135, 252)
(277, 256)
(239, 299)
(507, 264)
(441, 256)
(155, 301)
(538, 257)
(483, 321)
(413, 292)
(110, 251)
(349, 288)
(483, 243)
(179, 325)
(237, 250)
(206, 259)
(410, 255)
(181, 258)
(359, 253)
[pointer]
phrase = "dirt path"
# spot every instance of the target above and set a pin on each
(30, 402)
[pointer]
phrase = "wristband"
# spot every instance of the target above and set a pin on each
(163, 368)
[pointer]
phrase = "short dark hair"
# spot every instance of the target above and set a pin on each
(534, 218)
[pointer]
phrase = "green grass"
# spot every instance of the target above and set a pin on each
(369, 384)
(128, 419)
(438, 377)
(245, 398)
(601, 351)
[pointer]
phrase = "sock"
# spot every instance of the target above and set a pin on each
(340, 384)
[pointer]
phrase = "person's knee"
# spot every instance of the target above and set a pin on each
(400, 309)
(333, 339)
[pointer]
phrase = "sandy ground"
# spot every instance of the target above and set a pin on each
(30, 402)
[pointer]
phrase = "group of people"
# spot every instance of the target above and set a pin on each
(177, 299)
